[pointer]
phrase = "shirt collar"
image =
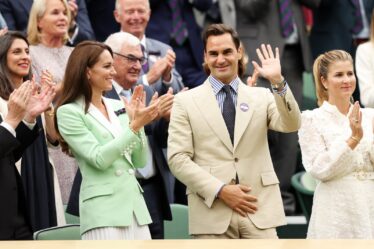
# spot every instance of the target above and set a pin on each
(217, 84)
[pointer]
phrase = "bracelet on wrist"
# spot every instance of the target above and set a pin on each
(355, 139)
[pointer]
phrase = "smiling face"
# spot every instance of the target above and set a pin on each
(54, 21)
(340, 81)
(133, 15)
(222, 57)
(127, 71)
(18, 60)
(101, 74)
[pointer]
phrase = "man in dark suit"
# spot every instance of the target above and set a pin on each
(16, 15)
(189, 50)
(159, 71)
(334, 27)
(260, 22)
(101, 16)
(334, 23)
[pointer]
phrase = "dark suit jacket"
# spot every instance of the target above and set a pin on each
(156, 49)
(16, 15)
(160, 25)
(258, 22)
(102, 19)
(333, 21)
(11, 188)
(157, 136)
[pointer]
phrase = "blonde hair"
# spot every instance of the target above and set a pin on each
(321, 69)
(36, 13)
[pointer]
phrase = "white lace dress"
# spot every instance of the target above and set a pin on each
(343, 205)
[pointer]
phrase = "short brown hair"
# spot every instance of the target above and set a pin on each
(221, 29)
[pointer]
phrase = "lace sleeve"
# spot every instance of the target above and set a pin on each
(324, 160)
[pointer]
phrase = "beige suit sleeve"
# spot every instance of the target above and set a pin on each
(181, 153)
(283, 112)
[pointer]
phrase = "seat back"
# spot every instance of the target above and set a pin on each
(309, 101)
(303, 194)
(68, 232)
(178, 227)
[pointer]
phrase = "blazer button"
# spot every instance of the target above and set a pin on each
(236, 159)
(119, 172)
(131, 171)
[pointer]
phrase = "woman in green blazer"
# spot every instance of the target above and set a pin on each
(108, 142)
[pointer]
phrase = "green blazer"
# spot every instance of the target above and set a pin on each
(107, 155)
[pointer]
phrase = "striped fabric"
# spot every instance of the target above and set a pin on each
(179, 31)
(132, 232)
(286, 17)
(359, 25)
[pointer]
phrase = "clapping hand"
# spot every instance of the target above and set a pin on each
(17, 104)
(39, 101)
(165, 104)
(252, 80)
(355, 119)
(270, 65)
(138, 113)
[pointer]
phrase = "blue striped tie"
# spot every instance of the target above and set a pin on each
(286, 17)
(358, 26)
(179, 30)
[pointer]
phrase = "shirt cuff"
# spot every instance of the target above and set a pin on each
(29, 125)
(219, 190)
(170, 81)
(75, 34)
(145, 81)
(9, 128)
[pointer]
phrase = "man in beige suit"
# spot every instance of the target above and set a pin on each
(218, 142)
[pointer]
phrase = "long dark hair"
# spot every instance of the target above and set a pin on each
(75, 83)
(6, 41)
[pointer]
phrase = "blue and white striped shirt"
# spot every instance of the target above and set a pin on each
(221, 95)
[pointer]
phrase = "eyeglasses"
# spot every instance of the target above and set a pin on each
(133, 59)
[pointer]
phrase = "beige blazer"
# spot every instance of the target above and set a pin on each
(201, 155)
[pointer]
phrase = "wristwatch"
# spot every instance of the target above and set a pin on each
(279, 85)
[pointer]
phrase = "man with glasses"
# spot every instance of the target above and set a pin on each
(155, 178)
(158, 71)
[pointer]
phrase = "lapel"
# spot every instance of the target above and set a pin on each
(244, 112)
(113, 126)
(207, 103)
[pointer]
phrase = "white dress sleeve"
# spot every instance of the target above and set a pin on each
(324, 160)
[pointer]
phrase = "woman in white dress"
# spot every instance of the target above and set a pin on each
(337, 148)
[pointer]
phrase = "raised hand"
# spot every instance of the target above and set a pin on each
(73, 7)
(157, 70)
(252, 80)
(165, 104)
(270, 65)
(3, 31)
(39, 101)
(355, 119)
(17, 104)
(170, 61)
